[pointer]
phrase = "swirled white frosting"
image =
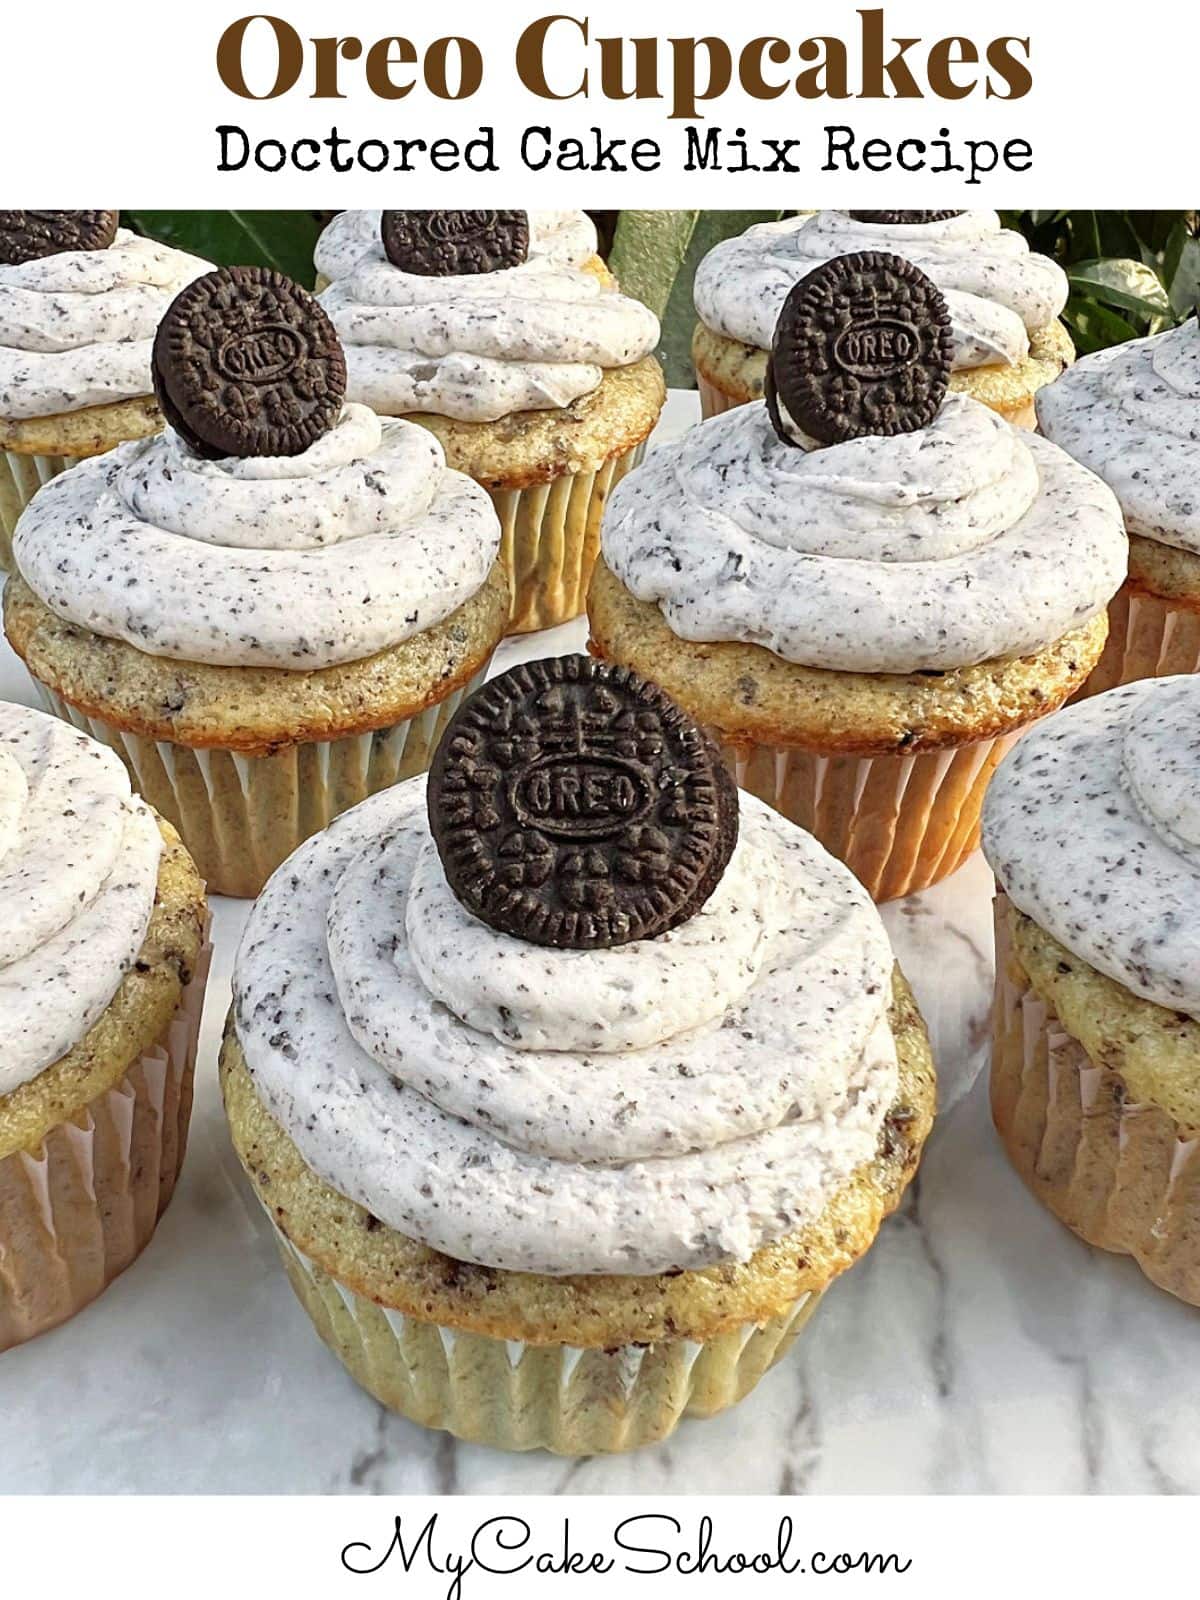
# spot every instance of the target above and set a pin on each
(300, 562)
(483, 345)
(79, 858)
(966, 541)
(996, 289)
(76, 329)
(675, 1103)
(1092, 826)
(1132, 414)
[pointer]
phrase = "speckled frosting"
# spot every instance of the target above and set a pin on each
(79, 859)
(996, 290)
(1132, 414)
(1092, 826)
(299, 562)
(478, 346)
(966, 541)
(668, 1104)
(76, 329)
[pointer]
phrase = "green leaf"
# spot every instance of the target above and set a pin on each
(679, 318)
(280, 239)
(1095, 327)
(648, 250)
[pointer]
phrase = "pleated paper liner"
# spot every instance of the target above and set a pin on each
(714, 401)
(1148, 637)
(551, 538)
(241, 816)
(518, 1396)
(75, 1212)
(900, 823)
(1121, 1175)
(21, 476)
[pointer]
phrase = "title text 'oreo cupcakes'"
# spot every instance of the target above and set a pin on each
(1093, 829)
(866, 586)
(503, 333)
(80, 299)
(271, 609)
(568, 1089)
(1132, 414)
(102, 969)
(1004, 301)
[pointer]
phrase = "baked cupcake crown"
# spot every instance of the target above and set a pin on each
(575, 805)
(247, 363)
(30, 235)
(450, 244)
(863, 346)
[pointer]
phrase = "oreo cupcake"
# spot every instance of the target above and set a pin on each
(1132, 414)
(102, 971)
(1004, 301)
(503, 333)
(80, 299)
(272, 608)
(867, 587)
(1093, 829)
(567, 1089)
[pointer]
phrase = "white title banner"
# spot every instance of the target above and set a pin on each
(315, 103)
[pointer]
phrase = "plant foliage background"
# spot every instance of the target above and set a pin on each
(1132, 272)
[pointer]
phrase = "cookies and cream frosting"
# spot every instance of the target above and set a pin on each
(76, 329)
(966, 541)
(299, 562)
(1132, 414)
(1092, 826)
(79, 857)
(671, 1103)
(996, 289)
(483, 345)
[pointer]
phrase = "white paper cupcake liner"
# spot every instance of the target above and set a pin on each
(518, 1396)
(550, 539)
(241, 816)
(714, 401)
(1119, 1173)
(21, 476)
(1148, 637)
(900, 823)
(75, 1212)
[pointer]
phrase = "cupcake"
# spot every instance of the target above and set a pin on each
(567, 1090)
(80, 299)
(270, 609)
(1093, 830)
(1132, 414)
(503, 333)
(1004, 301)
(102, 971)
(867, 587)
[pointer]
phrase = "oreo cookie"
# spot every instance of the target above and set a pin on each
(863, 345)
(450, 244)
(575, 805)
(247, 363)
(30, 235)
(904, 217)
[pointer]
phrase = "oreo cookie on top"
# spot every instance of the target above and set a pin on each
(247, 363)
(575, 805)
(903, 218)
(863, 345)
(449, 244)
(29, 235)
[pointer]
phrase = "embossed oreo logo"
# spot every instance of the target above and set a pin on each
(574, 804)
(585, 798)
(876, 350)
(863, 345)
(260, 355)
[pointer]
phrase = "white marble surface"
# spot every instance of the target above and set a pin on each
(978, 1347)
